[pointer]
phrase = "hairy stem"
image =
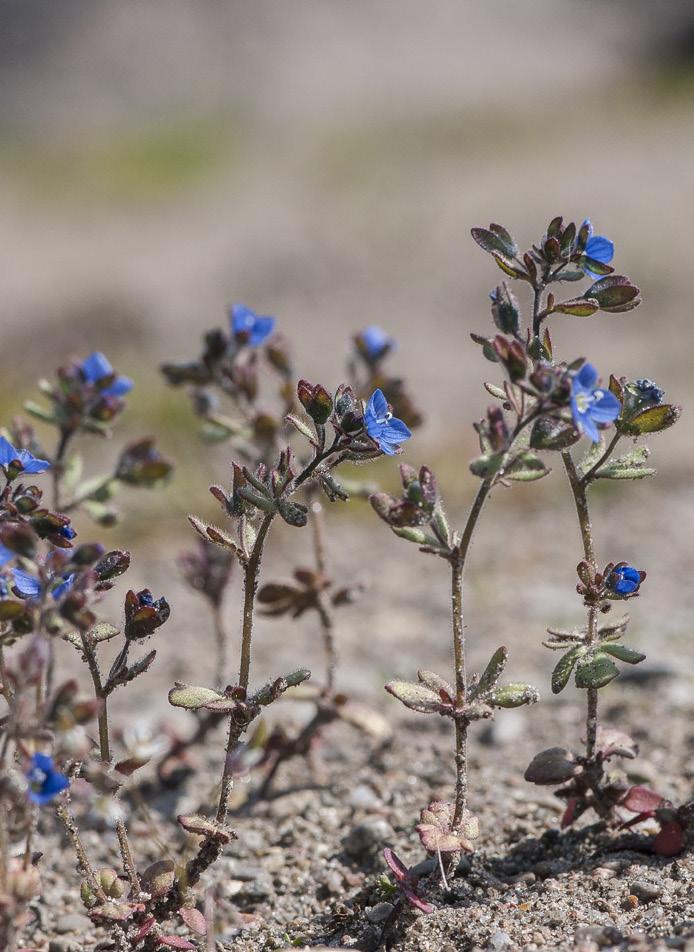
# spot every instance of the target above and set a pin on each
(83, 864)
(457, 560)
(250, 586)
(324, 613)
(588, 477)
(57, 467)
(90, 656)
(578, 488)
(127, 858)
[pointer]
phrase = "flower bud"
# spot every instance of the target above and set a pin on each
(316, 400)
(505, 309)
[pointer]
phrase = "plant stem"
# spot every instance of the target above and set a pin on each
(588, 477)
(457, 560)
(250, 586)
(578, 488)
(84, 866)
(57, 467)
(324, 613)
(127, 858)
(90, 656)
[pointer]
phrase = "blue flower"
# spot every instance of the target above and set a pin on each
(375, 343)
(45, 782)
(23, 460)
(598, 248)
(250, 327)
(31, 587)
(97, 368)
(382, 426)
(624, 579)
(590, 404)
(67, 532)
(6, 555)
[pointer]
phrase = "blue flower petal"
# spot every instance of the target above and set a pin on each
(6, 555)
(95, 367)
(395, 431)
(377, 405)
(376, 341)
(606, 409)
(31, 464)
(586, 377)
(119, 387)
(7, 452)
(600, 249)
(262, 329)
(26, 584)
(245, 321)
(63, 587)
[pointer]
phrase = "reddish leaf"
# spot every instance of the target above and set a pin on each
(397, 867)
(670, 841)
(570, 812)
(175, 942)
(415, 901)
(642, 800)
(194, 919)
(144, 929)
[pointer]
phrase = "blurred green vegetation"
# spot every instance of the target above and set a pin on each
(151, 162)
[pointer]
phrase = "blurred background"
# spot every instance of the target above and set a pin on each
(323, 161)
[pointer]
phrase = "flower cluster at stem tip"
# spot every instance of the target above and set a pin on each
(96, 368)
(598, 248)
(624, 580)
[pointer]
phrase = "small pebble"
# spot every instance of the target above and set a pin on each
(73, 922)
(499, 941)
(645, 891)
(367, 835)
(379, 912)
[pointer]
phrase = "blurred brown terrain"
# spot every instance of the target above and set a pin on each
(323, 162)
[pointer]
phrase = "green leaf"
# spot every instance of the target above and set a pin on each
(615, 293)
(435, 682)
(301, 426)
(514, 695)
(39, 412)
(627, 467)
(72, 472)
(623, 652)
(570, 274)
(414, 534)
(492, 673)
(486, 465)
(550, 434)
(592, 456)
(98, 488)
(596, 672)
(597, 267)
(418, 697)
(564, 667)
(193, 696)
(577, 307)
(525, 468)
(652, 420)
(498, 241)
(103, 632)
(509, 267)
(486, 345)
(510, 247)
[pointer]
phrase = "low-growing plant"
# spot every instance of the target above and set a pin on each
(230, 369)
(544, 405)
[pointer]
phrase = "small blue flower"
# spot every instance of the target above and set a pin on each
(590, 404)
(31, 587)
(27, 463)
(6, 555)
(252, 328)
(67, 532)
(375, 342)
(45, 782)
(96, 367)
(624, 580)
(382, 426)
(598, 248)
